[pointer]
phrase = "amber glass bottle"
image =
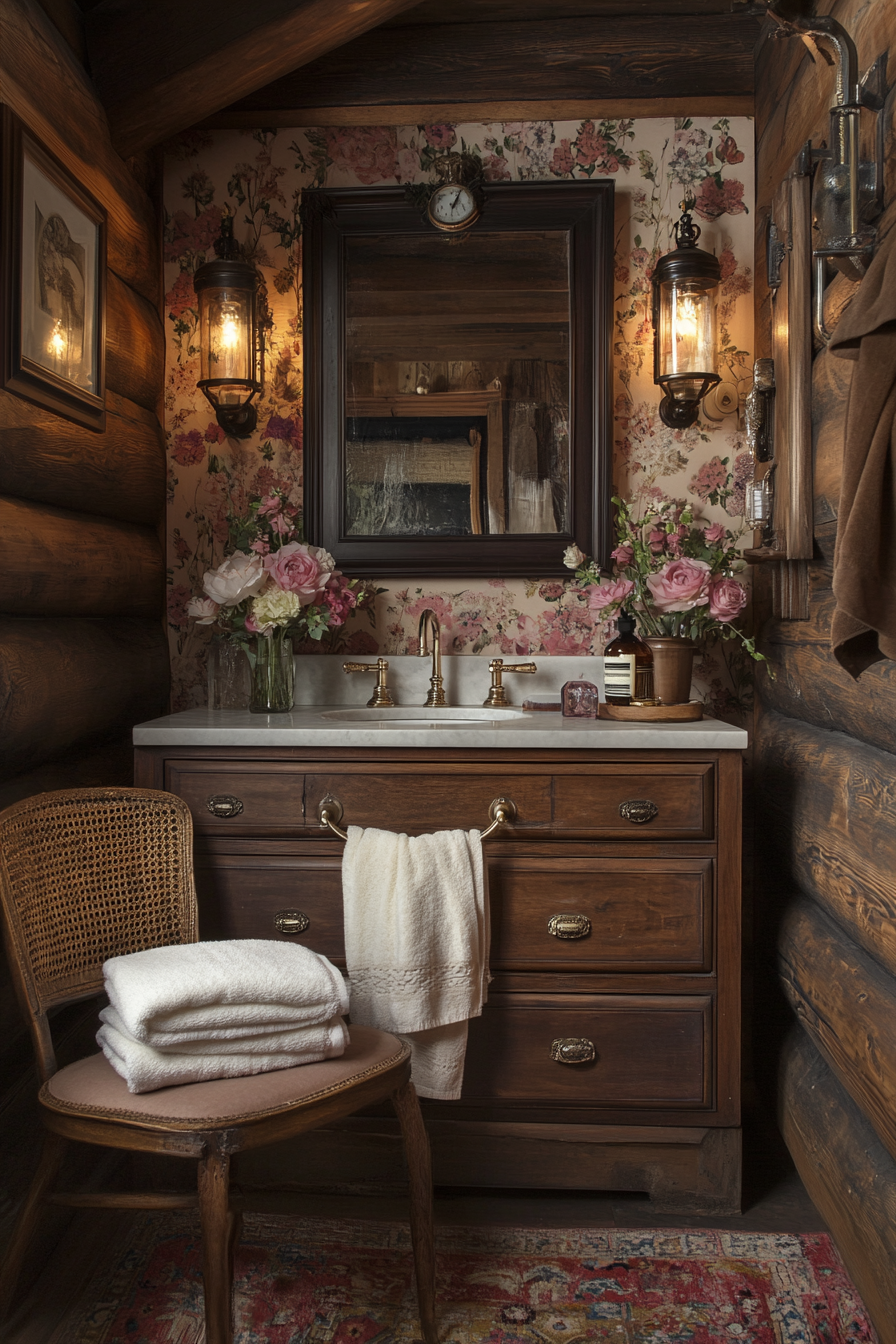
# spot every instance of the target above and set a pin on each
(628, 665)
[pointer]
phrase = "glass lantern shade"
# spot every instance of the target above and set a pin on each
(226, 290)
(685, 285)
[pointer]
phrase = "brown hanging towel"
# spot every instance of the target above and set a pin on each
(863, 629)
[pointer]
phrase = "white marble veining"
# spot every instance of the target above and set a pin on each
(320, 679)
(330, 712)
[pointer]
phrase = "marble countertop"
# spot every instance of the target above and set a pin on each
(411, 726)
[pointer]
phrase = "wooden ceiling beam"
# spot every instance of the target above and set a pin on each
(161, 67)
(552, 61)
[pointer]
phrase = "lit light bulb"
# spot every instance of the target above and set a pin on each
(57, 342)
(230, 330)
(686, 318)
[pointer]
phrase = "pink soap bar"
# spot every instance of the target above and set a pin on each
(579, 700)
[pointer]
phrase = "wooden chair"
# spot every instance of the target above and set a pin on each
(88, 874)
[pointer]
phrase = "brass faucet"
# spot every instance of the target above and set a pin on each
(429, 625)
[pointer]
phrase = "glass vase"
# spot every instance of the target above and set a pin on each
(229, 676)
(273, 677)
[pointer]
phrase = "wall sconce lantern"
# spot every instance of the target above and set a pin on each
(684, 324)
(228, 337)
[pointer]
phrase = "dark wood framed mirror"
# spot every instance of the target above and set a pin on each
(458, 384)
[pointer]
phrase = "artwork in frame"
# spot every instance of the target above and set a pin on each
(53, 272)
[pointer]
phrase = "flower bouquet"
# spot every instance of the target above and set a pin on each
(272, 588)
(674, 571)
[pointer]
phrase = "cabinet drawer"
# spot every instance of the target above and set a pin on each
(244, 798)
(240, 897)
(405, 801)
(674, 802)
(644, 915)
(649, 1050)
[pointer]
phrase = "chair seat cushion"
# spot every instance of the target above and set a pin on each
(91, 1087)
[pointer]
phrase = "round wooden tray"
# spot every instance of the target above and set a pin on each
(652, 713)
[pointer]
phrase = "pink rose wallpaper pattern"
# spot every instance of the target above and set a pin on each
(260, 176)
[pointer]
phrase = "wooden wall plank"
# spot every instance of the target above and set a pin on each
(827, 807)
(68, 681)
(58, 563)
(848, 1173)
(508, 109)
(155, 87)
(846, 1002)
(135, 345)
(104, 766)
(118, 474)
(45, 85)
(558, 59)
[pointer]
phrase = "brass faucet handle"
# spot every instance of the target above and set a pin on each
(497, 696)
(382, 696)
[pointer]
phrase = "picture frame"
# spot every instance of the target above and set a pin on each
(52, 281)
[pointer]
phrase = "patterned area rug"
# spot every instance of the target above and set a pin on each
(305, 1281)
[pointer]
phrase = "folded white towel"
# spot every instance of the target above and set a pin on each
(272, 1042)
(417, 943)
(145, 1069)
(211, 992)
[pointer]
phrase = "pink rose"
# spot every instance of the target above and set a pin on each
(203, 610)
(623, 555)
(715, 532)
(300, 569)
(609, 593)
(339, 598)
(238, 577)
(680, 585)
(727, 598)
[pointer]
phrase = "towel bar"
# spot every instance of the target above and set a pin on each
(502, 812)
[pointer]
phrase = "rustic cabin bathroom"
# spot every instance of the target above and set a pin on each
(447, 828)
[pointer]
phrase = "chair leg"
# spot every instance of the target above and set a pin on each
(219, 1231)
(44, 1178)
(416, 1147)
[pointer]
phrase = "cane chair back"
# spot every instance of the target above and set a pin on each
(85, 875)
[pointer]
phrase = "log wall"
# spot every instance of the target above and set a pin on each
(825, 770)
(83, 653)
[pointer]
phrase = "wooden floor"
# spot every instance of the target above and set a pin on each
(774, 1201)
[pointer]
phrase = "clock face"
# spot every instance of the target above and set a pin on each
(452, 206)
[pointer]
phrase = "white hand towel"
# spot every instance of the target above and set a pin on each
(209, 992)
(417, 944)
(145, 1069)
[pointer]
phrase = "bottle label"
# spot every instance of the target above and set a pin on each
(619, 675)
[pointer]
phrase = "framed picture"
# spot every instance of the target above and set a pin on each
(52, 281)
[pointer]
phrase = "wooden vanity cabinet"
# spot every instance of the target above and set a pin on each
(615, 903)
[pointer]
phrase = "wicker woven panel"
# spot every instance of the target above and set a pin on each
(92, 874)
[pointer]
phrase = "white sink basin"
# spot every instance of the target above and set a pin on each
(420, 716)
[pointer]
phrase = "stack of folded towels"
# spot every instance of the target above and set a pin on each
(193, 1012)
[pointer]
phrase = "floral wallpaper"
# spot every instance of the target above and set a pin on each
(260, 176)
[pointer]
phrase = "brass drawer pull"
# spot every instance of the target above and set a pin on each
(569, 925)
(291, 921)
(224, 805)
(573, 1050)
(638, 810)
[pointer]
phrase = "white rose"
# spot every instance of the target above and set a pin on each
(239, 576)
(203, 610)
(573, 557)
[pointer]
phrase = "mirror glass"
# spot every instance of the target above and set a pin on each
(457, 385)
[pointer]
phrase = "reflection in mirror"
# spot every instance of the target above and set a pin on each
(457, 386)
(453, 322)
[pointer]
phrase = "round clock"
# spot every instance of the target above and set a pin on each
(452, 206)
